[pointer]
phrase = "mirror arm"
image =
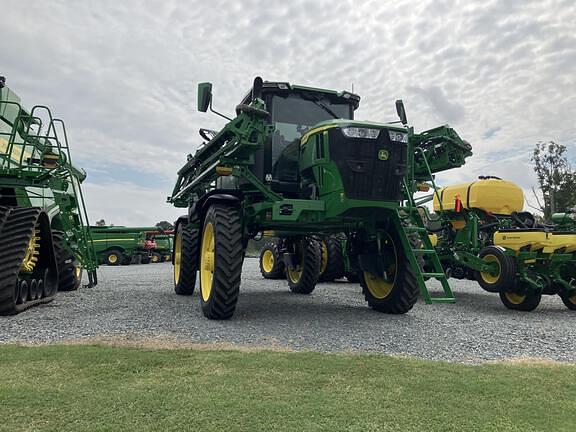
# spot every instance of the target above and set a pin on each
(217, 113)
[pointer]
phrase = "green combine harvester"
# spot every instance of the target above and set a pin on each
(483, 234)
(43, 216)
(121, 245)
(294, 161)
(164, 246)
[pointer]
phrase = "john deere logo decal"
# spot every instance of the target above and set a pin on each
(383, 154)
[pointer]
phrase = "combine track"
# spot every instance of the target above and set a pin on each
(24, 236)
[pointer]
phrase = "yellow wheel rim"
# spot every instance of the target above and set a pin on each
(207, 261)
(487, 277)
(112, 259)
(572, 299)
(78, 272)
(515, 298)
(324, 261)
(295, 273)
(177, 257)
(32, 252)
(381, 288)
(268, 260)
(155, 258)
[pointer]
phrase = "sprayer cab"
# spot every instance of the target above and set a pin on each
(317, 149)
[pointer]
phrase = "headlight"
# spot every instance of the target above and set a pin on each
(358, 132)
(398, 136)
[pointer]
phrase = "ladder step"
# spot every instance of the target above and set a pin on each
(443, 300)
(423, 251)
(434, 275)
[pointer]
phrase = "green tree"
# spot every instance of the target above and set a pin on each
(556, 178)
(165, 225)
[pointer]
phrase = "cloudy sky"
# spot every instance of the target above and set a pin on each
(123, 76)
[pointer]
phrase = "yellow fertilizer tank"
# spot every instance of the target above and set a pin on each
(492, 195)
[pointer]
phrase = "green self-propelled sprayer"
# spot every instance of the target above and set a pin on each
(294, 161)
(44, 242)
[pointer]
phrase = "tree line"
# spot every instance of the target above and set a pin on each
(556, 179)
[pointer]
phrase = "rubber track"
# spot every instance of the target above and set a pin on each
(335, 266)
(311, 270)
(17, 229)
(228, 259)
(65, 262)
(188, 263)
(278, 271)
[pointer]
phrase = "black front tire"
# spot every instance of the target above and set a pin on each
(221, 259)
(185, 260)
(399, 292)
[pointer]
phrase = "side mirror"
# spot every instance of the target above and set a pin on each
(257, 88)
(204, 96)
(401, 112)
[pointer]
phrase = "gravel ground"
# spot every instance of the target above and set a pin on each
(138, 301)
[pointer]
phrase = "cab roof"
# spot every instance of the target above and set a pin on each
(286, 88)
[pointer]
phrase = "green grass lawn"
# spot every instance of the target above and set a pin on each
(102, 388)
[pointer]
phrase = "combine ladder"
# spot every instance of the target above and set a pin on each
(410, 222)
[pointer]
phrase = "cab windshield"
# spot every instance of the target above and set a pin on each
(295, 114)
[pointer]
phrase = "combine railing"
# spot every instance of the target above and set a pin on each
(36, 152)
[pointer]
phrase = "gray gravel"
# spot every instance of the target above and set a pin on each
(139, 301)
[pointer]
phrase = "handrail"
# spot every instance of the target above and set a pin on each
(425, 159)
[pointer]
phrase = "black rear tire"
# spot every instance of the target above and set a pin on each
(505, 279)
(271, 263)
(155, 258)
(332, 252)
(221, 259)
(185, 260)
(303, 277)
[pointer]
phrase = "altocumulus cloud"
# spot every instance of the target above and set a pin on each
(123, 76)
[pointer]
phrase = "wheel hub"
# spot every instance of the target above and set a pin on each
(32, 252)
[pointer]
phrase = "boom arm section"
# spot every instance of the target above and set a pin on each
(442, 147)
(234, 145)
